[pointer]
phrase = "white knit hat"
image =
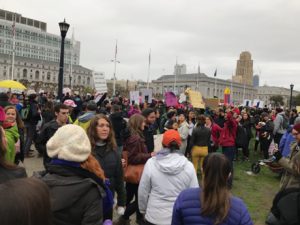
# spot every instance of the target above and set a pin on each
(70, 142)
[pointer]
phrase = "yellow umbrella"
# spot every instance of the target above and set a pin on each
(12, 84)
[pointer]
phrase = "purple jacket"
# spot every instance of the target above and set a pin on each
(187, 210)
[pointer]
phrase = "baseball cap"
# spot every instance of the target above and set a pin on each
(170, 136)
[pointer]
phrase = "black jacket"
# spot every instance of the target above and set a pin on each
(48, 130)
(10, 174)
(75, 199)
(220, 121)
(149, 139)
(200, 136)
(110, 162)
(119, 125)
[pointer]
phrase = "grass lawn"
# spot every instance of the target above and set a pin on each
(257, 191)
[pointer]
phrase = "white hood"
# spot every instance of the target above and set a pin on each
(171, 164)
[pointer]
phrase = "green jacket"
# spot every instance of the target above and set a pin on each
(12, 136)
(291, 177)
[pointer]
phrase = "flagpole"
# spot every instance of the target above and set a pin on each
(13, 48)
(175, 78)
(215, 75)
(115, 68)
(149, 69)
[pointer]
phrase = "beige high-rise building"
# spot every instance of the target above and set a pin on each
(244, 69)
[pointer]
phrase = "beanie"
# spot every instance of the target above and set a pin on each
(171, 135)
(71, 143)
(297, 127)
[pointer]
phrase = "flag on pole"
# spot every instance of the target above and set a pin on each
(215, 74)
(116, 52)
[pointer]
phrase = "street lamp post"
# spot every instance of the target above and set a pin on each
(291, 97)
(63, 26)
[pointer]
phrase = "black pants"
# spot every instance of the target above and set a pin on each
(246, 149)
(132, 207)
(256, 145)
(188, 147)
(277, 138)
(264, 146)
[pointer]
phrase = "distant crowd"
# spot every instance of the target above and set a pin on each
(100, 158)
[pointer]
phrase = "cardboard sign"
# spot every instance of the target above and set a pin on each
(134, 97)
(212, 103)
(146, 95)
(100, 82)
(196, 99)
(170, 99)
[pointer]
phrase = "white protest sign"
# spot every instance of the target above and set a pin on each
(247, 102)
(182, 98)
(258, 103)
(134, 97)
(100, 82)
(146, 95)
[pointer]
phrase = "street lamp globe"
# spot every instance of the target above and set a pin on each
(64, 27)
(292, 86)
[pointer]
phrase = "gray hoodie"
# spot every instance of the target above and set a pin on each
(164, 177)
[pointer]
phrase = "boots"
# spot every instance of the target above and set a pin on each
(121, 221)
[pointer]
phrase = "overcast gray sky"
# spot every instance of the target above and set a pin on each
(210, 32)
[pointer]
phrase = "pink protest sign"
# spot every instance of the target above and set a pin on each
(171, 99)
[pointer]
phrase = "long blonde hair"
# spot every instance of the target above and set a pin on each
(134, 124)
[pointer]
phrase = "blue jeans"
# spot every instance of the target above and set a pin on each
(229, 153)
(30, 136)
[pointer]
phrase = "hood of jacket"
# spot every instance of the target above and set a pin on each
(67, 188)
(86, 117)
(170, 163)
(117, 116)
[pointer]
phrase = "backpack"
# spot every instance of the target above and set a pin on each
(25, 112)
(285, 122)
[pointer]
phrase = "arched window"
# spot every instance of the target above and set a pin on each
(37, 75)
(25, 73)
(88, 81)
(79, 79)
(48, 76)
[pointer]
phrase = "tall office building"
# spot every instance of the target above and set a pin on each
(37, 53)
(179, 69)
(244, 69)
(255, 81)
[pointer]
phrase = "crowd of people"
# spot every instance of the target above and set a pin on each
(100, 152)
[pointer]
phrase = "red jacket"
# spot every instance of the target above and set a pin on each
(228, 133)
(215, 133)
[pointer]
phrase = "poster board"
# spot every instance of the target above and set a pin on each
(146, 95)
(100, 82)
(247, 102)
(134, 97)
(212, 103)
(196, 99)
(182, 98)
(170, 99)
(258, 103)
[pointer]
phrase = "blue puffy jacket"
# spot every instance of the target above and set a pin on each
(187, 210)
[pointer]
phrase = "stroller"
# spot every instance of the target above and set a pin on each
(270, 163)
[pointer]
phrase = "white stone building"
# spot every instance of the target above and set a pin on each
(37, 54)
